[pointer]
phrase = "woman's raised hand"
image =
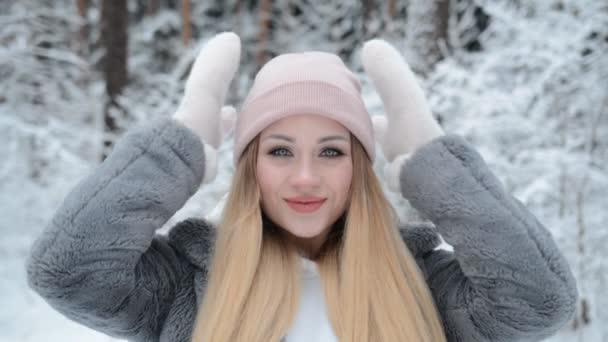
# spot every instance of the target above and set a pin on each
(409, 122)
(202, 106)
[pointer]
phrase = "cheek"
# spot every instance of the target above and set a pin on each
(268, 179)
(342, 181)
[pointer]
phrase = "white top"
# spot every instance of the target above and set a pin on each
(312, 322)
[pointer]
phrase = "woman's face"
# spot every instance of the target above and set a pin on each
(304, 171)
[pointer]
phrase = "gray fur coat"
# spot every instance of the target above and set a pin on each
(101, 263)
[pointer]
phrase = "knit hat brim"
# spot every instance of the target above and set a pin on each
(304, 97)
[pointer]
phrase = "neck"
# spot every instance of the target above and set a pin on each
(310, 248)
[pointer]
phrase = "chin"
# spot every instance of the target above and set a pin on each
(305, 233)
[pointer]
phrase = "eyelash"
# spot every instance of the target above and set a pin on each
(338, 153)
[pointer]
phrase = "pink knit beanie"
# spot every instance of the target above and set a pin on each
(304, 83)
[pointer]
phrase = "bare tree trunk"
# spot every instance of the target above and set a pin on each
(367, 13)
(264, 18)
(82, 48)
(562, 175)
(83, 33)
(427, 30)
(152, 7)
(239, 15)
(582, 318)
(186, 21)
(392, 7)
(114, 15)
(602, 285)
(240, 11)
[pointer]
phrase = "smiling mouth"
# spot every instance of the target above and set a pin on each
(305, 207)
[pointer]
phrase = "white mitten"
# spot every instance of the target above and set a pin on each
(201, 108)
(409, 122)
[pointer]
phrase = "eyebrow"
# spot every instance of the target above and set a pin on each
(321, 140)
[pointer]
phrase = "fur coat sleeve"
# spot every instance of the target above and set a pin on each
(506, 280)
(98, 261)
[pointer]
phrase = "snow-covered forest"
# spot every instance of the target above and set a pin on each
(524, 81)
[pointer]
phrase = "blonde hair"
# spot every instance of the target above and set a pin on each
(372, 285)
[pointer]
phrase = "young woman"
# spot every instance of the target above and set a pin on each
(308, 248)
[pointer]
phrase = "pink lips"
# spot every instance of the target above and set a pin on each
(305, 204)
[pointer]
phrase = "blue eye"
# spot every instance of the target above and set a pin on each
(275, 152)
(334, 153)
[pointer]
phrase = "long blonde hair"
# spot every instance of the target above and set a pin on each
(372, 285)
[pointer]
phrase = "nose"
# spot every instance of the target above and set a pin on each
(305, 173)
